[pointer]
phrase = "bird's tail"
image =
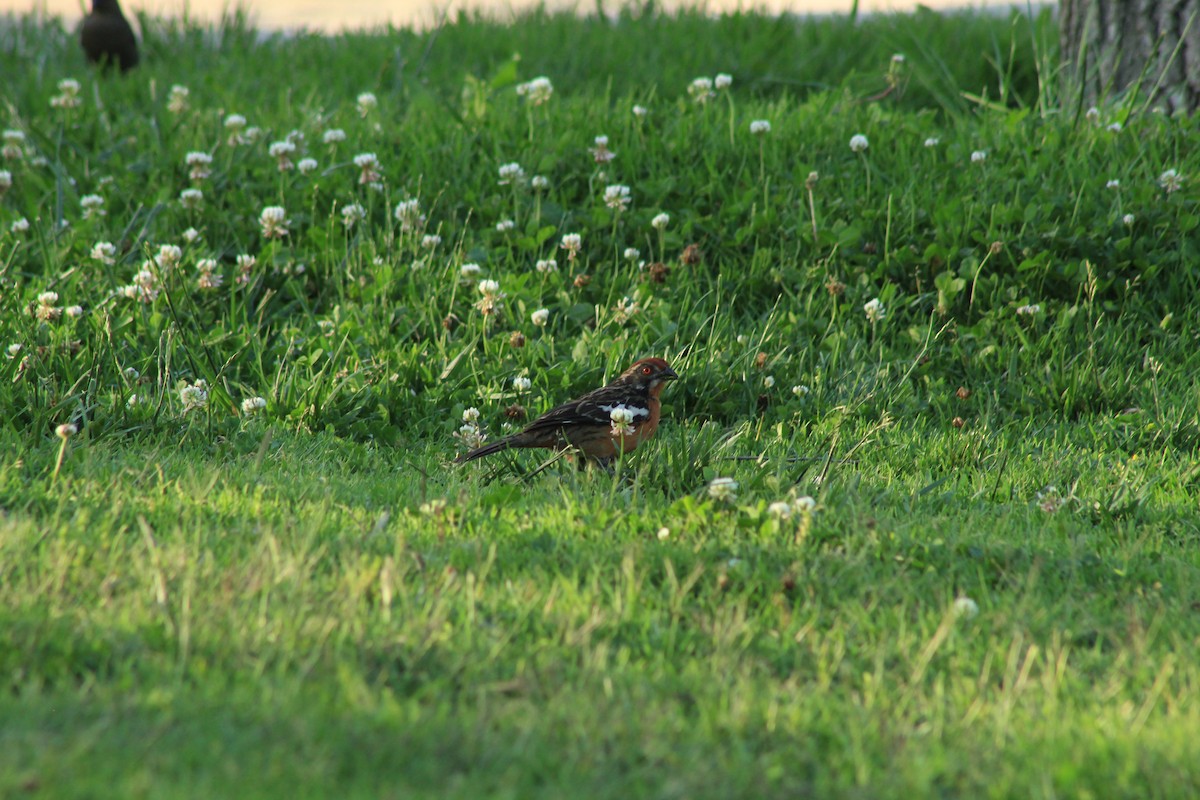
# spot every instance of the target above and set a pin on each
(487, 450)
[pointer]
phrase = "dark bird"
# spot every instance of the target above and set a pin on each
(107, 37)
(602, 424)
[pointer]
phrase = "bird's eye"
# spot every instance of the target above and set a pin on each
(646, 370)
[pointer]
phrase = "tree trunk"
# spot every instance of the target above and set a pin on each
(1107, 45)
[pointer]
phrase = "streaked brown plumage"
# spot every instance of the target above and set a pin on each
(107, 37)
(586, 424)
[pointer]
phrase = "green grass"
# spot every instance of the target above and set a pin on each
(310, 599)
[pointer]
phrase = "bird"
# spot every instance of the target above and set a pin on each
(107, 37)
(601, 424)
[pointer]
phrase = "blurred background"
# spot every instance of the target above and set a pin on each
(335, 16)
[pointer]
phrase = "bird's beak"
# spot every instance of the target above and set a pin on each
(668, 374)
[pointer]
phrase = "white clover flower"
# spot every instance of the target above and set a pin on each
(1128, 219)
(470, 415)
(353, 212)
(800, 390)
(640, 112)
(540, 183)
(245, 265)
(14, 143)
(979, 156)
(769, 382)
(511, 174)
(760, 127)
(701, 90)
(47, 298)
(191, 199)
(491, 297)
(780, 509)
(368, 165)
(471, 436)
(722, 81)
(177, 99)
(470, 270)
(366, 103)
(522, 384)
(307, 166)
(965, 607)
(19, 225)
(131, 374)
(274, 222)
(858, 143)
(874, 310)
(1092, 114)
(932, 141)
(660, 221)
(546, 265)
(430, 241)
(723, 490)
(537, 91)
(505, 225)
(804, 505)
(1028, 310)
(132, 401)
(333, 136)
(622, 421)
(898, 58)
(1170, 180)
(46, 312)
(93, 205)
(14, 349)
(191, 235)
(1114, 127)
(616, 197)
(236, 124)
(6, 181)
(194, 396)
(626, 307)
(66, 430)
(199, 165)
(600, 153)
(1113, 184)
(252, 404)
(169, 256)
(663, 534)
(68, 94)
(408, 214)
(209, 277)
(572, 242)
(281, 152)
(631, 254)
(540, 317)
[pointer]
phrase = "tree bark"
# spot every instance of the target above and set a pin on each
(1107, 45)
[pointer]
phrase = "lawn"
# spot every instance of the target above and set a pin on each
(933, 316)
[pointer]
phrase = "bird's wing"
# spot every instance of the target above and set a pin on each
(594, 408)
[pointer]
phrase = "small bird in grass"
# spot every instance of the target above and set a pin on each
(602, 424)
(107, 37)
